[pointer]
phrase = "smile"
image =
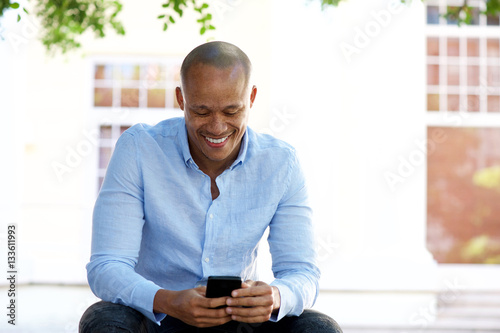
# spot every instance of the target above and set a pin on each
(216, 141)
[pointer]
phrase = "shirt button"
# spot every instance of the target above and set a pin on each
(211, 216)
(207, 260)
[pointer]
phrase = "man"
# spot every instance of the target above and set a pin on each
(191, 197)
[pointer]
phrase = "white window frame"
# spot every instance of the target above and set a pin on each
(443, 31)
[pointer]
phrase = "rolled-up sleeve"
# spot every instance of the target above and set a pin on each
(118, 220)
(291, 242)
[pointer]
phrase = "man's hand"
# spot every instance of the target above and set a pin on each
(254, 302)
(192, 307)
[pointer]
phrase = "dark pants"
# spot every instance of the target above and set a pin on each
(106, 317)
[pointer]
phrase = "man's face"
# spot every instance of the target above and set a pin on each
(216, 104)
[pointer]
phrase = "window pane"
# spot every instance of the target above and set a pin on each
(177, 75)
(432, 15)
(463, 224)
(473, 75)
(103, 72)
(432, 46)
(156, 98)
(130, 98)
(493, 76)
(451, 20)
(453, 102)
(493, 20)
(103, 97)
(129, 72)
(473, 103)
(432, 102)
(104, 156)
(155, 73)
(105, 132)
(123, 129)
(432, 74)
(453, 75)
(473, 47)
(493, 47)
(474, 16)
(453, 47)
(493, 103)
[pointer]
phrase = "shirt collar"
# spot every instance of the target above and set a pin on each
(188, 159)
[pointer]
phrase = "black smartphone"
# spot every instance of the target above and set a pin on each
(220, 286)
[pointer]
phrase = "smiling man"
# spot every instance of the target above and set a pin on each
(191, 197)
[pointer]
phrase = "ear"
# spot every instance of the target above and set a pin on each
(180, 98)
(252, 95)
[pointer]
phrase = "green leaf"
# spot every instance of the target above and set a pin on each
(25, 11)
(161, 16)
(18, 17)
(205, 5)
(14, 5)
(211, 27)
(208, 17)
(171, 19)
(165, 26)
(203, 30)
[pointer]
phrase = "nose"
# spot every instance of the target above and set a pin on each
(217, 125)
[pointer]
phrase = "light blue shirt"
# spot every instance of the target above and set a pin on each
(156, 226)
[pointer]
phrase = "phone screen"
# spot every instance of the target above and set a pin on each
(220, 286)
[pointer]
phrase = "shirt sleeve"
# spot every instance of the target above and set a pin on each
(117, 232)
(291, 242)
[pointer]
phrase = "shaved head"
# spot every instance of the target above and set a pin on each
(220, 55)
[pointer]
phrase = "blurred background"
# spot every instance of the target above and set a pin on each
(393, 107)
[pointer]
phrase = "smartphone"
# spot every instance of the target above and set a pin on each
(220, 286)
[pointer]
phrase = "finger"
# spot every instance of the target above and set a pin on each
(249, 311)
(253, 291)
(250, 315)
(209, 322)
(202, 290)
(209, 315)
(213, 303)
(253, 301)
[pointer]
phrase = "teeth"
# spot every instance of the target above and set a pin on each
(216, 140)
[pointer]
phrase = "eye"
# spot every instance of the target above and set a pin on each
(231, 112)
(201, 113)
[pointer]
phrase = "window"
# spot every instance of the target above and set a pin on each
(127, 92)
(463, 106)
(150, 85)
(108, 135)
